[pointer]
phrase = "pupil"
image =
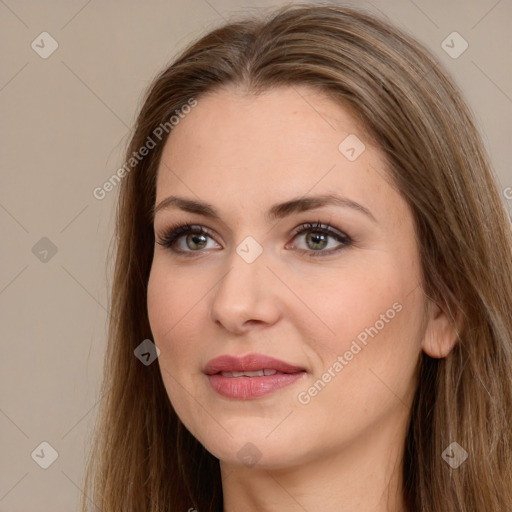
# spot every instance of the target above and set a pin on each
(194, 239)
(315, 239)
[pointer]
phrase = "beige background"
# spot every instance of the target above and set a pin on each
(65, 121)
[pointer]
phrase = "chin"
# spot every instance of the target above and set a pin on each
(255, 450)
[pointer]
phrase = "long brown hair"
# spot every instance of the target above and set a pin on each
(143, 458)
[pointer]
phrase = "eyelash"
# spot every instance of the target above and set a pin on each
(169, 237)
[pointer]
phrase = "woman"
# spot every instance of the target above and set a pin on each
(311, 236)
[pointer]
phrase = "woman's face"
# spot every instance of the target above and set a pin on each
(343, 308)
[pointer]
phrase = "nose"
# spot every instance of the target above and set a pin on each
(246, 295)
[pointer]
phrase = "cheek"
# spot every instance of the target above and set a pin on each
(171, 303)
(172, 306)
(342, 309)
(372, 321)
(367, 370)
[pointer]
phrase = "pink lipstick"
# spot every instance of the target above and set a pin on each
(250, 376)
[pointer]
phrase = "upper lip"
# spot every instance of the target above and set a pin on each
(249, 362)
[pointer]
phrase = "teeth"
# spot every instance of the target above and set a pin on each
(257, 373)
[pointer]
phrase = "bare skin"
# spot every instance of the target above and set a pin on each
(339, 447)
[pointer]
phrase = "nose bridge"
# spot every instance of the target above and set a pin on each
(243, 294)
(246, 273)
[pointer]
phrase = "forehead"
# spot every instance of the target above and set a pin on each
(276, 120)
(281, 143)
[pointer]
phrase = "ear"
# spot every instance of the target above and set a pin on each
(441, 332)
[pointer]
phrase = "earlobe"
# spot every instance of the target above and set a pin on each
(441, 332)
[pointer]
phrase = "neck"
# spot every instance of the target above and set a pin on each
(364, 476)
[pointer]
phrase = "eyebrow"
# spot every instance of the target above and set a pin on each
(277, 211)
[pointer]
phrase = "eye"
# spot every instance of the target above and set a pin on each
(193, 238)
(317, 239)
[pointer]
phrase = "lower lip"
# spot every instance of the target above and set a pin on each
(247, 388)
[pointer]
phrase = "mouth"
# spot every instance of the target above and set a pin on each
(251, 376)
(250, 365)
(256, 373)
